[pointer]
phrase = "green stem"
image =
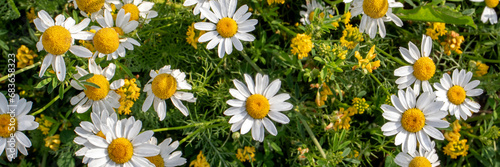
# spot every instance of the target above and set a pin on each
(397, 60)
(315, 141)
(213, 71)
(44, 159)
(48, 104)
(189, 126)
(257, 68)
(21, 70)
(478, 58)
(470, 135)
(380, 83)
(199, 130)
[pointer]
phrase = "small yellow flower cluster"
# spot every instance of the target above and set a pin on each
(31, 15)
(346, 18)
(360, 105)
(339, 51)
(25, 56)
(129, 93)
(342, 119)
(388, 100)
(351, 37)
(322, 96)
(192, 38)
(44, 124)
(436, 30)
(247, 154)
(456, 148)
(301, 45)
(200, 161)
(452, 43)
(52, 142)
(275, 1)
(454, 134)
(481, 69)
(302, 152)
(365, 63)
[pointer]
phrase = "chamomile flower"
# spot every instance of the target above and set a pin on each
(13, 114)
(57, 38)
(122, 145)
(199, 4)
(375, 13)
(414, 119)
(164, 84)
(454, 92)
(489, 13)
(138, 9)
(98, 127)
(100, 99)
(421, 158)
(228, 27)
(421, 70)
(107, 38)
(167, 157)
(93, 8)
(255, 101)
(308, 15)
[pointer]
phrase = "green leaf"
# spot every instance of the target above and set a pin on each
(42, 83)
(85, 77)
(276, 148)
(124, 68)
(430, 13)
(61, 91)
(90, 84)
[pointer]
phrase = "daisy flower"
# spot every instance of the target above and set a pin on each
(420, 158)
(454, 92)
(375, 12)
(227, 28)
(100, 99)
(98, 127)
(13, 114)
(167, 156)
(489, 13)
(122, 145)
(422, 68)
(57, 38)
(164, 84)
(414, 119)
(255, 101)
(93, 8)
(307, 16)
(138, 8)
(199, 4)
(107, 40)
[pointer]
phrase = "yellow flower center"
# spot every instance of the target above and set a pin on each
(133, 10)
(311, 15)
(413, 120)
(227, 27)
(491, 3)
(164, 86)
(456, 95)
(257, 106)
(94, 93)
(120, 150)
(100, 134)
(90, 6)
(8, 125)
(119, 30)
(106, 40)
(56, 40)
(420, 162)
(424, 68)
(157, 160)
(375, 8)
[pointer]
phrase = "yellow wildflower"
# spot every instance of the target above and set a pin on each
(192, 38)
(452, 43)
(481, 69)
(339, 51)
(351, 37)
(453, 135)
(275, 1)
(301, 45)
(456, 148)
(31, 15)
(360, 105)
(302, 152)
(323, 95)
(346, 18)
(52, 142)
(343, 119)
(25, 56)
(43, 124)
(129, 93)
(200, 161)
(365, 63)
(247, 154)
(436, 30)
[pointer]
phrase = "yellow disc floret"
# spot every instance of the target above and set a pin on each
(227, 27)
(156, 160)
(413, 120)
(257, 106)
(491, 3)
(120, 150)
(8, 125)
(456, 95)
(420, 162)
(424, 68)
(106, 40)
(90, 6)
(375, 8)
(119, 30)
(164, 86)
(133, 10)
(56, 40)
(94, 93)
